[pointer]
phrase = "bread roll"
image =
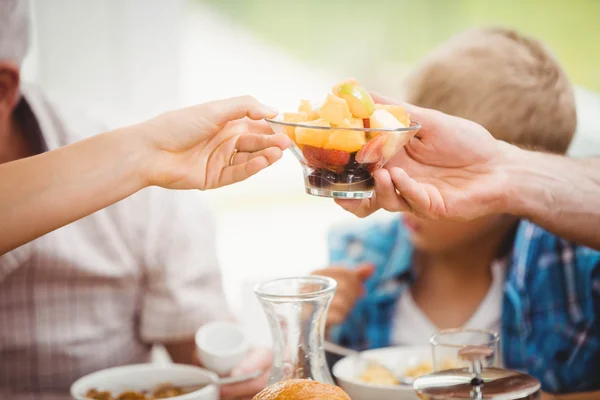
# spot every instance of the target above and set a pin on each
(301, 389)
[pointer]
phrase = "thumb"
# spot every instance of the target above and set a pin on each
(222, 111)
(380, 99)
(365, 271)
(430, 120)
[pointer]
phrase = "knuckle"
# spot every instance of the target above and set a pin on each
(247, 99)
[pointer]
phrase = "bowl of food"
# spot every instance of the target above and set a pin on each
(374, 374)
(342, 141)
(148, 382)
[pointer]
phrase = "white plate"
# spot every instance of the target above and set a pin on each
(146, 377)
(398, 359)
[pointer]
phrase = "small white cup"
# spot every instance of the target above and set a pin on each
(221, 346)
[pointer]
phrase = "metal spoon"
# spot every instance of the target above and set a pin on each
(225, 381)
(346, 352)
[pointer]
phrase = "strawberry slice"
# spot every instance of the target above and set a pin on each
(371, 152)
(312, 155)
(334, 157)
(317, 157)
(366, 123)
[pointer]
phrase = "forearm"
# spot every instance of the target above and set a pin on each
(557, 193)
(42, 193)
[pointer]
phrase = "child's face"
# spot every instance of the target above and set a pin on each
(444, 236)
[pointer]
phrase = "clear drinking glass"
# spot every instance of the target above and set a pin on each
(296, 309)
(463, 348)
(465, 361)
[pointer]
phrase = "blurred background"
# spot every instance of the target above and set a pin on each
(126, 60)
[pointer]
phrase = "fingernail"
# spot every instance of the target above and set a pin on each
(237, 371)
(273, 110)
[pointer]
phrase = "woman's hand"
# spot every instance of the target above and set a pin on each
(209, 145)
(201, 147)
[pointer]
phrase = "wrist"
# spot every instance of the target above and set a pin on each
(527, 180)
(136, 155)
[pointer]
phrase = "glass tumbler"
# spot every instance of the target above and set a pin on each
(459, 348)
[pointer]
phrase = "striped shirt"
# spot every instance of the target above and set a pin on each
(99, 292)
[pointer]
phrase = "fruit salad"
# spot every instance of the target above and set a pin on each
(342, 141)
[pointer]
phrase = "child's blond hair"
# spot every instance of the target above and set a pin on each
(509, 83)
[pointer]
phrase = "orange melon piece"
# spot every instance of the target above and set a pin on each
(356, 123)
(313, 136)
(350, 123)
(345, 140)
(335, 110)
(294, 118)
(307, 107)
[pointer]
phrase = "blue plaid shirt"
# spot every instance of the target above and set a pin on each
(550, 326)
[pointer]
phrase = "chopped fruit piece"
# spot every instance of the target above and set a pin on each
(294, 118)
(390, 145)
(335, 157)
(311, 111)
(396, 111)
(366, 123)
(313, 136)
(385, 120)
(357, 123)
(335, 110)
(346, 140)
(372, 152)
(312, 156)
(393, 142)
(318, 158)
(360, 102)
(350, 123)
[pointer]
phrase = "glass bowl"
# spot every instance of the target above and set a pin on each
(340, 162)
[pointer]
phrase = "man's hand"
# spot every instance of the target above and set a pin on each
(256, 360)
(450, 169)
(454, 169)
(350, 288)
